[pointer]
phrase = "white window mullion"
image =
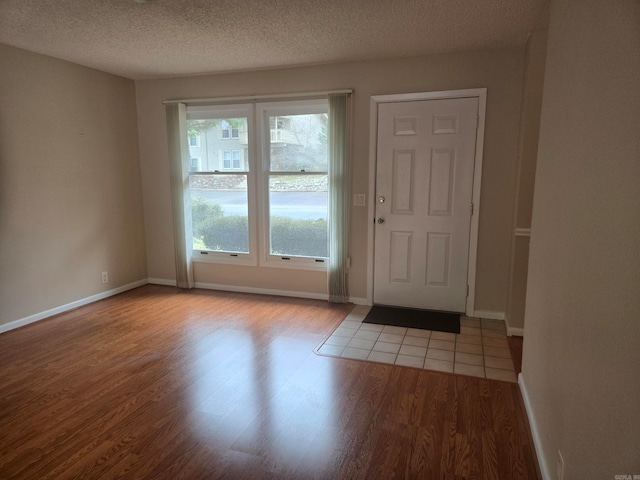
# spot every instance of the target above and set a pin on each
(253, 166)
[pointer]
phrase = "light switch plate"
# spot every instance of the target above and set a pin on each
(359, 200)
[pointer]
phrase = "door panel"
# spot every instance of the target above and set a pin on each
(424, 184)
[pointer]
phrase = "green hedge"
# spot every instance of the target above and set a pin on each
(230, 233)
(307, 238)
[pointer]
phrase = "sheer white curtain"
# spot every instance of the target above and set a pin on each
(339, 194)
(180, 199)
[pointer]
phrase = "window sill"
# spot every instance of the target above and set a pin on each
(226, 258)
(292, 264)
(295, 263)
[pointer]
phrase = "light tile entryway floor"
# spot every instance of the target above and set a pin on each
(479, 350)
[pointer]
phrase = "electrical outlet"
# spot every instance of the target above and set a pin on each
(560, 467)
(105, 277)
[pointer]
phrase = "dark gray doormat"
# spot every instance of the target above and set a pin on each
(413, 318)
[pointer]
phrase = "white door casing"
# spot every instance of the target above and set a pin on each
(428, 164)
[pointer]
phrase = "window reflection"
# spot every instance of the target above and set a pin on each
(277, 396)
(302, 408)
(224, 383)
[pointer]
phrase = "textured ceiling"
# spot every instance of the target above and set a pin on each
(163, 38)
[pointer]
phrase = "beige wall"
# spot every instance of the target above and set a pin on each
(498, 70)
(582, 323)
(535, 56)
(70, 195)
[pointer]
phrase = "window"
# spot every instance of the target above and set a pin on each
(231, 159)
(194, 140)
(280, 165)
(219, 197)
(296, 166)
(229, 129)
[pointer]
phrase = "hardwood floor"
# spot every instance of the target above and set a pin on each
(156, 383)
(515, 345)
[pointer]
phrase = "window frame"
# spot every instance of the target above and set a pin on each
(256, 169)
(212, 112)
(283, 108)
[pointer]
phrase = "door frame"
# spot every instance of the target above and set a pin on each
(481, 95)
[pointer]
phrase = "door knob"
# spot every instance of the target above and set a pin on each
(380, 219)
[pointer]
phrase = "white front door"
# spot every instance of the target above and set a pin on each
(424, 186)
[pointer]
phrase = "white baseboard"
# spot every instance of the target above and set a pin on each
(544, 468)
(511, 331)
(271, 291)
(162, 281)
(488, 314)
(359, 301)
(262, 291)
(69, 306)
(514, 331)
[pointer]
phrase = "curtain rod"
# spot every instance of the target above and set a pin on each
(254, 97)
